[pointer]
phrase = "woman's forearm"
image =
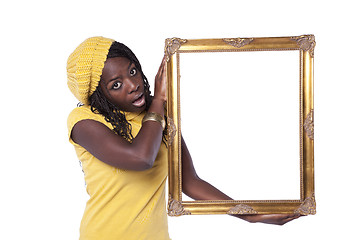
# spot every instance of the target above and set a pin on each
(193, 185)
(149, 138)
(199, 189)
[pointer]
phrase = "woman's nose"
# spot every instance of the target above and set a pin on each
(132, 86)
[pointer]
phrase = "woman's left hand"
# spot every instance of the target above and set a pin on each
(277, 219)
(161, 81)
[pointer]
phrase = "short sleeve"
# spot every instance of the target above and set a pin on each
(82, 113)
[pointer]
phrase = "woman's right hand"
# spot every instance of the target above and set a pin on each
(160, 82)
(277, 219)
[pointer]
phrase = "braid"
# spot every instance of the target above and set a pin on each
(100, 104)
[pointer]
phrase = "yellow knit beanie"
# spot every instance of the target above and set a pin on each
(85, 65)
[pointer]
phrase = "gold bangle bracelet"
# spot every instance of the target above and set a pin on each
(151, 116)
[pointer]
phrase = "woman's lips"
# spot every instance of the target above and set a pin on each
(140, 101)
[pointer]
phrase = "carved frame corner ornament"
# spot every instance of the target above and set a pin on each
(171, 130)
(238, 42)
(175, 208)
(242, 209)
(309, 124)
(172, 45)
(308, 206)
(306, 43)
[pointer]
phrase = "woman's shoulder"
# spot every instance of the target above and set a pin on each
(83, 109)
(82, 113)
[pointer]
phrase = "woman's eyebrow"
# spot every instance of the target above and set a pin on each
(115, 78)
(130, 64)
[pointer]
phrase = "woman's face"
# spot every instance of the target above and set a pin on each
(122, 84)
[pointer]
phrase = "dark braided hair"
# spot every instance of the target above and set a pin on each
(100, 104)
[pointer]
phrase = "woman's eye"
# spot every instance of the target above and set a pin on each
(133, 72)
(116, 85)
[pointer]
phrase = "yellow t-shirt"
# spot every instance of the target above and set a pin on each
(123, 204)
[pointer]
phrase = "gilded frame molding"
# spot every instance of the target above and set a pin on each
(306, 205)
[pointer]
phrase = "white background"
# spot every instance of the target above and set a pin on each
(240, 121)
(41, 183)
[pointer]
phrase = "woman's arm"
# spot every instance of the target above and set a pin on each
(192, 185)
(112, 149)
(198, 189)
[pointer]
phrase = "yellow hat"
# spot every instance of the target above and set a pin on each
(85, 65)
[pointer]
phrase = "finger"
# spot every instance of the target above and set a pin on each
(294, 216)
(162, 64)
(290, 218)
(163, 68)
(160, 71)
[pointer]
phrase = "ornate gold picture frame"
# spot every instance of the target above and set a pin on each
(303, 46)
